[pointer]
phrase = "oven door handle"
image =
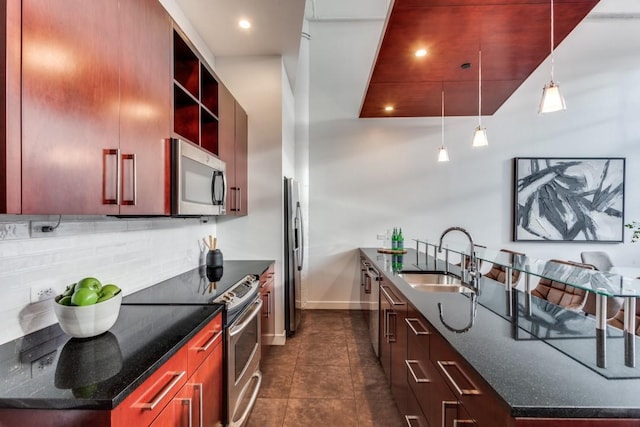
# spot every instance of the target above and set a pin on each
(246, 318)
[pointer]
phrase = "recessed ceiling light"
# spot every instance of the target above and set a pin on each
(421, 52)
(244, 24)
(388, 108)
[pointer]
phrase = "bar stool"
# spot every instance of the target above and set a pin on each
(499, 273)
(563, 295)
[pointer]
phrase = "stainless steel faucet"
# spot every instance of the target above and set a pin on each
(474, 275)
(472, 283)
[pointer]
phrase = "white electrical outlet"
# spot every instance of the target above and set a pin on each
(382, 237)
(42, 293)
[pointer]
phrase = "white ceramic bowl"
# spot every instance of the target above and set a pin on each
(88, 320)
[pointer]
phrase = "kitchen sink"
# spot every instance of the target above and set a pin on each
(434, 281)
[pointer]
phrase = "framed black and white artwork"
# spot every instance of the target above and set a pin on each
(569, 199)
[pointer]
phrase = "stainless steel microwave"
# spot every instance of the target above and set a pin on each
(198, 181)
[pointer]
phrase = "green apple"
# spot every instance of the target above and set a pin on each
(84, 296)
(65, 300)
(89, 283)
(107, 292)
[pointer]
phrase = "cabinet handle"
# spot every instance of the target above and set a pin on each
(132, 159)
(424, 331)
(446, 403)
(198, 386)
(458, 422)
(187, 402)
(391, 300)
(413, 374)
(410, 418)
(239, 196)
(209, 343)
(268, 304)
(105, 154)
(461, 391)
(392, 328)
(165, 390)
(234, 205)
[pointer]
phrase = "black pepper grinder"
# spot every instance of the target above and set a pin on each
(214, 256)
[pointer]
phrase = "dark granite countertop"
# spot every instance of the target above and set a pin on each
(532, 377)
(50, 370)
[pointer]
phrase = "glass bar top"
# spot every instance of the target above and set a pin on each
(599, 282)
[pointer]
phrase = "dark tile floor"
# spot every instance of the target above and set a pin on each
(325, 375)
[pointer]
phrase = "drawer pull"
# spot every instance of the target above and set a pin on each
(410, 418)
(177, 376)
(461, 392)
(413, 374)
(424, 330)
(209, 343)
(391, 300)
(460, 423)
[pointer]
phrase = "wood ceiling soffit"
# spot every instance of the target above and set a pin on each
(514, 36)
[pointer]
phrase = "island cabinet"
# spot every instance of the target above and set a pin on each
(393, 341)
(234, 151)
(186, 390)
(267, 324)
(95, 107)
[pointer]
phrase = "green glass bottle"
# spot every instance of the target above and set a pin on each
(400, 239)
(394, 239)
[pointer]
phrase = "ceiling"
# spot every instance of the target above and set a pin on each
(276, 27)
(514, 36)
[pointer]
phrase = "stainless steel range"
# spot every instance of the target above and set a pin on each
(240, 295)
(243, 376)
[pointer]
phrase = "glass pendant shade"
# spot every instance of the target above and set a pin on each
(552, 100)
(443, 154)
(480, 137)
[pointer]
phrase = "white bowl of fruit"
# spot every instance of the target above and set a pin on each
(87, 308)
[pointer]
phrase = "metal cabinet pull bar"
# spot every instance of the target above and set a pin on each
(198, 386)
(209, 343)
(134, 196)
(424, 331)
(446, 403)
(187, 402)
(413, 374)
(391, 300)
(105, 154)
(239, 194)
(410, 418)
(177, 376)
(461, 392)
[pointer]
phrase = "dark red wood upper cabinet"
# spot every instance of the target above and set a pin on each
(145, 106)
(10, 163)
(70, 106)
(96, 107)
(233, 146)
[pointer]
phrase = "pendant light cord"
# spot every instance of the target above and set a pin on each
(442, 145)
(480, 88)
(552, 35)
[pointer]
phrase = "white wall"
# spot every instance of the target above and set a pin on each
(131, 253)
(368, 175)
(257, 82)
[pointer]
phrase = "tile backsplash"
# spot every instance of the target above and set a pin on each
(132, 253)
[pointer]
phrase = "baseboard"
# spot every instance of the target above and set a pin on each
(332, 305)
(275, 339)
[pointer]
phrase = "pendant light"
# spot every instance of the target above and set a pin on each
(443, 155)
(480, 134)
(552, 100)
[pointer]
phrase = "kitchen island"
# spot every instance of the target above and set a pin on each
(532, 382)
